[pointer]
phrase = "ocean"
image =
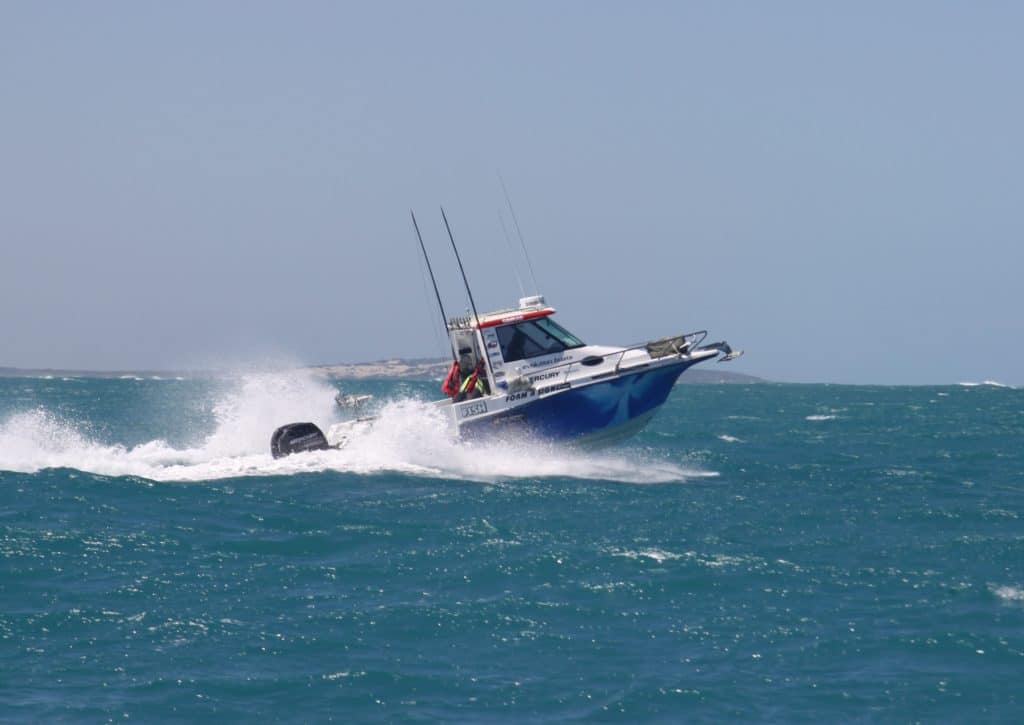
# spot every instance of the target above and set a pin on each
(767, 553)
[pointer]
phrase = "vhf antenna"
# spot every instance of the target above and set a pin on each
(511, 255)
(515, 221)
(444, 318)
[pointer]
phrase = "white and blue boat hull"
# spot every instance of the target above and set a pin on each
(595, 412)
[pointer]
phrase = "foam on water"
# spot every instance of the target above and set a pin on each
(1008, 594)
(414, 435)
(409, 436)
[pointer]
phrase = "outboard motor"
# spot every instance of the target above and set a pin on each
(295, 438)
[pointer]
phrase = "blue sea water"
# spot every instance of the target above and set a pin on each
(787, 553)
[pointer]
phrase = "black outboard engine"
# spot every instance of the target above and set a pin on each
(295, 438)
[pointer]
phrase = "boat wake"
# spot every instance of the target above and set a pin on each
(409, 437)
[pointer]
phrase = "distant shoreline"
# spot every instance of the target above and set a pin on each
(111, 374)
(399, 369)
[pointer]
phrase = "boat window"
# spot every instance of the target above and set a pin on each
(533, 338)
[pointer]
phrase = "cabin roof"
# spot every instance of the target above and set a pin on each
(501, 317)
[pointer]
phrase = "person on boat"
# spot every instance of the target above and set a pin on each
(517, 346)
(464, 380)
(472, 386)
(452, 380)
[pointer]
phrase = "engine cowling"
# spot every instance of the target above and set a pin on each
(296, 438)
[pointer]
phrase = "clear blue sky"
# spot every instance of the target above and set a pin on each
(836, 188)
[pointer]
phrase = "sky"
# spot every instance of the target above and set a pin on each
(836, 188)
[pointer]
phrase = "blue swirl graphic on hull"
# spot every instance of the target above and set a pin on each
(586, 409)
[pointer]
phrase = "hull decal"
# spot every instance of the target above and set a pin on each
(623, 403)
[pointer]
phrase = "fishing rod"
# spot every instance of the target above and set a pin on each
(463, 271)
(444, 318)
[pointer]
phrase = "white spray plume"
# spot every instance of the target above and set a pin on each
(409, 436)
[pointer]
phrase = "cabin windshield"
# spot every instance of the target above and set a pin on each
(533, 338)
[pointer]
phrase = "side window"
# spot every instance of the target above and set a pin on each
(534, 338)
(515, 345)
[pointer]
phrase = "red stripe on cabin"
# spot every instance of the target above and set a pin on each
(516, 318)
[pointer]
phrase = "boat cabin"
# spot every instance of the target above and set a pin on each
(509, 336)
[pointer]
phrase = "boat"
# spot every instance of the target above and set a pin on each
(540, 381)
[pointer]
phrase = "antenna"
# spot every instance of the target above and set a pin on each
(459, 260)
(444, 318)
(511, 256)
(515, 221)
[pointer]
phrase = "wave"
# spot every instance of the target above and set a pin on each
(410, 436)
(1007, 593)
(988, 383)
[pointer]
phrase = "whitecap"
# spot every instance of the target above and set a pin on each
(1008, 593)
(658, 555)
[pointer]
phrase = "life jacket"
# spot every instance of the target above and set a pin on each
(450, 386)
(473, 382)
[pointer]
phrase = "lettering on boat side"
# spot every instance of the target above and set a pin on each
(468, 411)
(545, 363)
(543, 376)
(513, 397)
